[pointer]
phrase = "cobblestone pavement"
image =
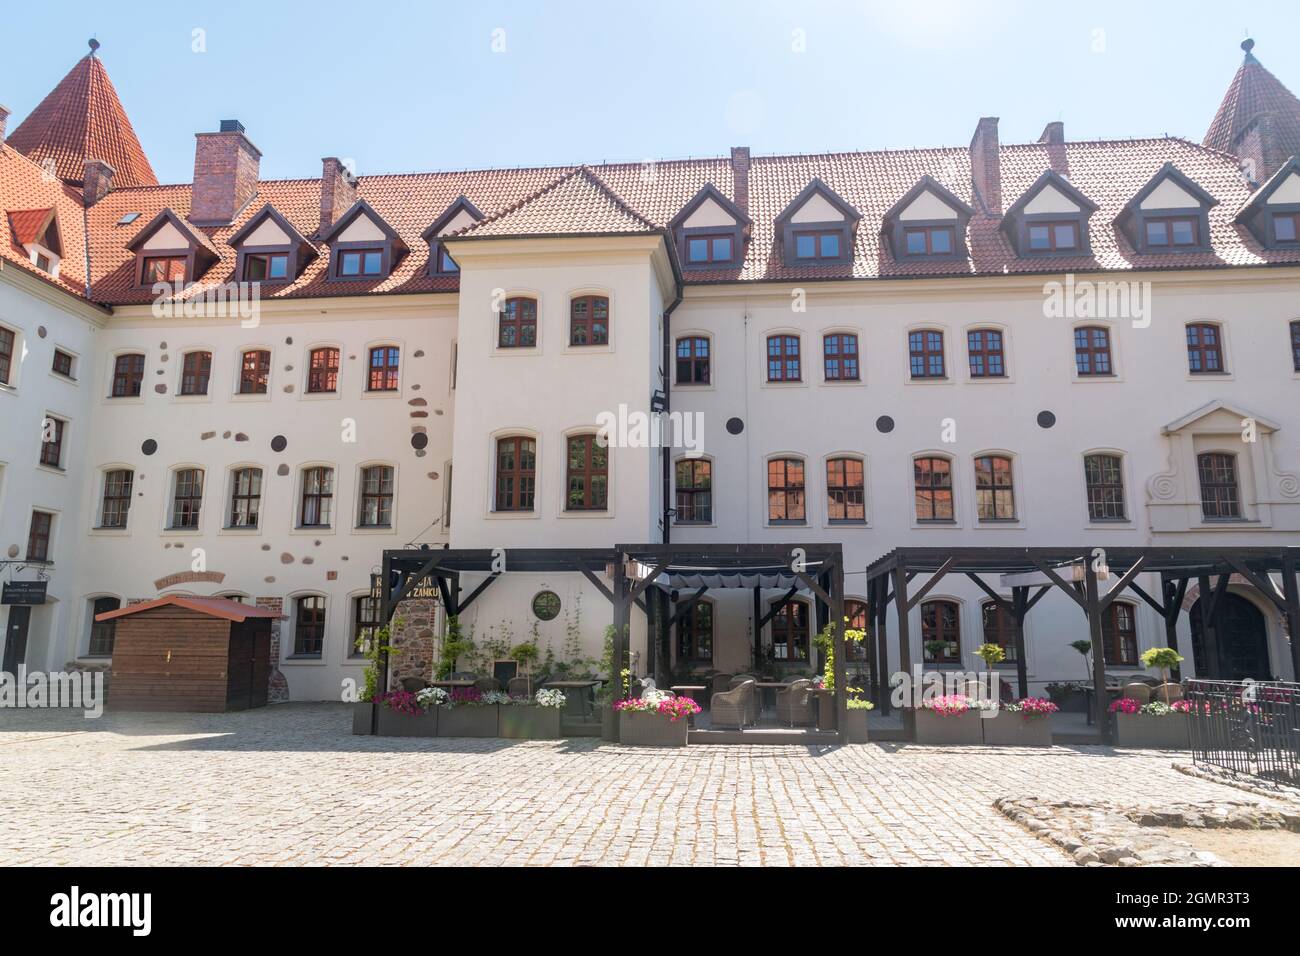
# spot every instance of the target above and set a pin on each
(290, 785)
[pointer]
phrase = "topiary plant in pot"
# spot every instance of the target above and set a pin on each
(1163, 658)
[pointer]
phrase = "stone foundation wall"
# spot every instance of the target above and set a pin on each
(414, 643)
(277, 690)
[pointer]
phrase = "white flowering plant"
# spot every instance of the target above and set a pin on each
(432, 697)
(550, 697)
(494, 697)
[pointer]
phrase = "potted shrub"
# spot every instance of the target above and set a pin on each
(855, 730)
(1162, 658)
(363, 710)
(400, 715)
(1156, 725)
(823, 692)
(471, 713)
(454, 646)
(533, 718)
(526, 655)
(947, 720)
(655, 720)
(1024, 723)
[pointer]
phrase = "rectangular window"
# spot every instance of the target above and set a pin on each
(245, 497)
(695, 634)
(925, 351)
(1219, 493)
(187, 498)
(811, 246)
(263, 267)
(708, 249)
(1053, 236)
(929, 240)
(940, 632)
(376, 497)
(365, 621)
(323, 371)
(6, 355)
(588, 475)
(1092, 351)
(995, 498)
(309, 626)
(255, 373)
(693, 361)
(1172, 232)
(52, 445)
(383, 369)
(1204, 349)
(102, 633)
(1119, 635)
(163, 269)
(845, 494)
(783, 358)
(116, 503)
(840, 354)
(38, 536)
(317, 497)
(694, 491)
(589, 320)
(517, 324)
(128, 375)
(999, 627)
(932, 488)
(355, 263)
(516, 474)
(1104, 478)
(62, 364)
(790, 632)
(984, 350)
(785, 491)
(1295, 345)
(1286, 227)
(196, 371)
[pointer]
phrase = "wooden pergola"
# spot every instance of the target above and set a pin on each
(646, 576)
(890, 577)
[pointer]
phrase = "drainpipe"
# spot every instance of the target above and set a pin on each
(666, 453)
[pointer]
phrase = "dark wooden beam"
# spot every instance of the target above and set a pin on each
(685, 607)
(1124, 580)
(776, 606)
(482, 586)
(1101, 704)
(1264, 585)
(928, 586)
(1060, 582)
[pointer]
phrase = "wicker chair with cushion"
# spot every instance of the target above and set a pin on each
(413, 685)
(1138, 692)
(719, 683)
(486, 684)
(792, 704)
(1175, 692)
(732, 708)
(520, 687)
(755, 700)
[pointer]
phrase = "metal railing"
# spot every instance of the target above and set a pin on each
(1247, 727)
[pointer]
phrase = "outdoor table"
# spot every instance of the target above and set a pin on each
(695, 692)
(451, 684)
(773, 686)
(576, 705)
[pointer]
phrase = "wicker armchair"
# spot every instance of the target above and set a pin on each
(719, 683)
(486, 684)
(520, 687)
(1138, 692)
(792, 704)
(755, 697)
(413, 685)
(1175, 692)
(733, 707)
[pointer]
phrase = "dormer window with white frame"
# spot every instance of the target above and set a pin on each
(461, 214)
(928, 222)
(169, 250)
(37, 232)
(1272, 214)
(271, 249)
(1170, 214)
(817, 227)
(363, 247)
(710, 232)
(1049, 219)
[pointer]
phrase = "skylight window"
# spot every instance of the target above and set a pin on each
(129, 218)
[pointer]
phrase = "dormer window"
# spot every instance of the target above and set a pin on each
(1170, 214)
(170, 250)
(446, 264)
(816, 228)
(710, 231)
(270, 248)
(163, 269)
(37, 232)
(1272, 214)
(362, 245)
(1053, 236)
(262, 266)
(1049, 219)
(461, 214)
(1286, 227)
(927, 222)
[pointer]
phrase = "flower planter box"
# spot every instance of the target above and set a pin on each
(1071, 703)
(608, 724)
(394, 723)
(1014, 730)
(960, 729)
(824, 704)
(361, 717)
(1169, 732)
(855, 730)
(469, 720)
(651, 730)
(530, 722)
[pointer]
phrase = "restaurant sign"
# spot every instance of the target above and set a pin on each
(24, 592)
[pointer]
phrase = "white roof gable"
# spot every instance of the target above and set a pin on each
(1170, 195)
(167, 236)
(362, 229)
(927, 206)
(1051, 200)
(710, 213)
(817, 209)
(458, 221)
(267, 233)
(1287, 191)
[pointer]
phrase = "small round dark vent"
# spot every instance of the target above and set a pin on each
(279, 443)
(735, 426)
(149, 446)
(1046, 419)
(884, 424)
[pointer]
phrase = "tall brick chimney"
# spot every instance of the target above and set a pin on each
(338, 191)
(4, 118)
(986, 165)
(1053, 133)
(97, 180)
(226, 166)
(740, 177)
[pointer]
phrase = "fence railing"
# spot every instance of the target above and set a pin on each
(1247, 727)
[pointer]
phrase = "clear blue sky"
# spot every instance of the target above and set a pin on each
(404, 86)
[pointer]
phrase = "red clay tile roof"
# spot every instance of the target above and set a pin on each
(83, 119)
(575, 204)
(1254, 90)
(211, 606)
(28, 225)
(24, 189)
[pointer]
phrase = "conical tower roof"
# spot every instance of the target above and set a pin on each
(1255, 91)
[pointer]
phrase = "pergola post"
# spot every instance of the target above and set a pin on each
(1209, 640)
(882, 644)
(621, 619)
(1092, 607)
(1019, 608)
(1291, 594)
(900, 606)
(1171, 593)
(758, 626)
(836, 611)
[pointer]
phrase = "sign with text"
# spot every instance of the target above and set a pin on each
(24, 592)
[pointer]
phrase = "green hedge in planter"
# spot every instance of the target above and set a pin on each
(530, 722)
(646, 729)
(469, 720)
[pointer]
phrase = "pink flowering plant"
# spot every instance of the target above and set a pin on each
(1125, 705)
(402, 701)
(674, 708)
(1032, 708)
(948, 705)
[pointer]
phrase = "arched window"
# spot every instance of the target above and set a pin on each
(925, 353)
(587, 475)
(695, 634)
(985, 354)
(102, 633)
(1220, 495)
(995, 493)
(385, 361)
(999, 627)
(856, 612)
(1103, 476)
(1119, 634)
(245, 497)
(785, 491)
(1092, 351)
(932, 488)
(840, 357)
(1204, 349)
(790, 632)
(517, 323)
(693, 360)
(128, 375)
(323, 370)
(783, 359)
(845, 491)
(365, 621)
(516, 473)
(694, 491)
(940, 632)
(196, 371)
(589, 320)
(255, 372)
(376, 510)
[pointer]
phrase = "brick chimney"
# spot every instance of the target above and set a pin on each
(4, 118)
(986, 165)
(97, 180)
(740, 177)
(225, 174)
(338, 191)
(1053, 134)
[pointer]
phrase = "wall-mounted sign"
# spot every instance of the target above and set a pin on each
(425, 590)
(24, 592)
